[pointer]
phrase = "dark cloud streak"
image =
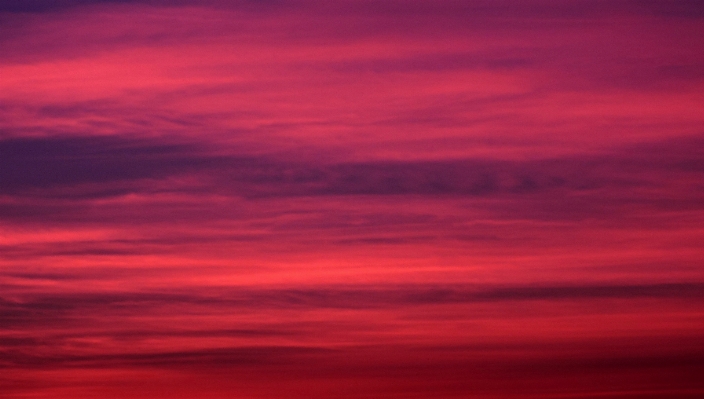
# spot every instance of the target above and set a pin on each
(64, 161)
(37, 307)
(38, 163)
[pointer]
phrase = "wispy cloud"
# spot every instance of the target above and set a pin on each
(351, 199)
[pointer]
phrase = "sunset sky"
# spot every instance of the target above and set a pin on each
(350, 199)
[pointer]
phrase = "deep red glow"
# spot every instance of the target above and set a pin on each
(353, 199)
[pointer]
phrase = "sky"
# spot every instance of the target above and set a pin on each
(351, 199)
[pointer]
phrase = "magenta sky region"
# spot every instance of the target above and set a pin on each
(351, 199)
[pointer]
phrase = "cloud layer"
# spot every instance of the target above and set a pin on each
(432, 199)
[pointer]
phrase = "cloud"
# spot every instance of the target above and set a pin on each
(351, 199)
(45, 163)
(37, 163)
(398, 371)
(363, 331)
(117, 181)
(38, 6)
(40, 309)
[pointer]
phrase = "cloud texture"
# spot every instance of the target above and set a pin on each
(352, 199)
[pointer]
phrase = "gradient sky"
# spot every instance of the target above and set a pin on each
(351, 199)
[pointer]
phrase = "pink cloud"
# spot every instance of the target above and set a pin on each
(358, 199)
